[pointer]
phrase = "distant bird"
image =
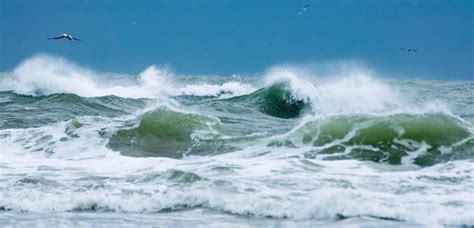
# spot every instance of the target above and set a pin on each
(409, 49)
(64, 36)
(304, 8)
(414, 4)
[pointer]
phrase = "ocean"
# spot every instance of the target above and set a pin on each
(288, 147)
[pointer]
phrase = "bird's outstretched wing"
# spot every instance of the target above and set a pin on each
(55, 38)
(305, 7)
(74, 38)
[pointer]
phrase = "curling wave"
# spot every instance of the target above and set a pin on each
(275, 100)
(424, 140)
(291, 145)
(166, 133)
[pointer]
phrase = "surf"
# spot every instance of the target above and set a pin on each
(43, 75)
(293, 143)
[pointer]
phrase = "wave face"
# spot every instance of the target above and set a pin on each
(275, 100)
(297, 144)
(166, 133)
(403, 138)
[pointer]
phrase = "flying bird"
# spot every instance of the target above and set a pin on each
(414, 4)
(64, 36)
(304, 8)
(408, 49)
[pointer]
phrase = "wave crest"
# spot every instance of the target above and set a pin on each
(398, 139)
(166, 133)
(46, 75)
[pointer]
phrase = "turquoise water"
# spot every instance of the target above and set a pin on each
(285, 148)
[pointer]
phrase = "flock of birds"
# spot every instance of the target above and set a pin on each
(302, 9)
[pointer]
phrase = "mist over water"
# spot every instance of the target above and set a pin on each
(321, 144)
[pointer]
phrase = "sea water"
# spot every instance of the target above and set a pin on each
(289, 147)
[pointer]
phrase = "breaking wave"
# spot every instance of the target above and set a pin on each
(424, 140)
(167, 133)
(46, 75)
(287, 145)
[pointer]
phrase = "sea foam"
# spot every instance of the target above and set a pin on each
(45, 74)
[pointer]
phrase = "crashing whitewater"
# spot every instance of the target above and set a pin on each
(290, 144)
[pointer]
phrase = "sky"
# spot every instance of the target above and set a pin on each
(244, 37)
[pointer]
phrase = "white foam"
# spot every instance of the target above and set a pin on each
(86, 174)
(273, 185)
(347, 89)
(259, 187)
(232, 88)
(301, 88)
(45, 75)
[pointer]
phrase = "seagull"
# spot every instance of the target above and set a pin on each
(63, 36)
(408, 49)
(304, 8)
(414, 4)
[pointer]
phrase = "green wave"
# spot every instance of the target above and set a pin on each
(21, 111)
(275, 100)
(430, 138)
(166, 133)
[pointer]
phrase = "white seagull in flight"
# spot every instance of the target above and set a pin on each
(305, 7)
(64, 36)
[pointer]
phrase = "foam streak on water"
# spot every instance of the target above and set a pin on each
(292, 147)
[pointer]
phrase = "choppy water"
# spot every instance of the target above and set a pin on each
(285, 148)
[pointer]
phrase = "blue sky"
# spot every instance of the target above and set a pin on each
(229, 36)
